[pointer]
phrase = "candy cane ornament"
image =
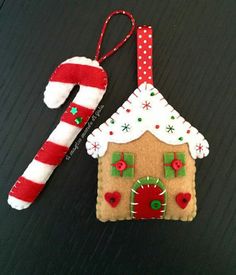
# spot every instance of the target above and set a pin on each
(92, 79)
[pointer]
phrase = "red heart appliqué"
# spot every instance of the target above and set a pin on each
(183, 199)
(113, 198)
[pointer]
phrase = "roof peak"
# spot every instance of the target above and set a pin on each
(146, 110)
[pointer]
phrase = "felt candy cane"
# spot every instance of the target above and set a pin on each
(93, 82)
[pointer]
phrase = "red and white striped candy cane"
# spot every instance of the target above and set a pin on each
(93, 82)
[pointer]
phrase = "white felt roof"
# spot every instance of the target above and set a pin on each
(146, 110)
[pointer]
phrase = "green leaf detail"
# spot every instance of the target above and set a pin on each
(78, 120)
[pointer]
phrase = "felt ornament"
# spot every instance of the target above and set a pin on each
(163, 146)
(92, 79)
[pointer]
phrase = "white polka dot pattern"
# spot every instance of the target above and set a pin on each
(144, 54)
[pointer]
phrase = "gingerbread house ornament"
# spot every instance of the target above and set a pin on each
(146, 153)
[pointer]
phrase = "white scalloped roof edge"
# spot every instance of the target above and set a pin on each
(151, 113)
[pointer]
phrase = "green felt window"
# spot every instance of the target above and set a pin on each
(122, 165)
(174, 165)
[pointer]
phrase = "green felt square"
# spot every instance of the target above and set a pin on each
(168, 157)
(128, 173)
(129, 158)
(169, 172)
(115, 157)
(115, 172)
(181, 156)
(181, 172)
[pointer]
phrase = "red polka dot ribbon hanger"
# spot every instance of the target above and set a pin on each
(144, 55)
(92, 79)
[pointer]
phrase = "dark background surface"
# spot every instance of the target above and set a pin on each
(194, 68)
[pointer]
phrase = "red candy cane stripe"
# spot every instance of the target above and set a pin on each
(26, 190)
(144, 54)
(77, 115)
(75, 71)
(51, 153)
(80, 74)
(72, 121)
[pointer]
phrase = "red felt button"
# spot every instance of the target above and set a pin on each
(176, 164)
(121, 165)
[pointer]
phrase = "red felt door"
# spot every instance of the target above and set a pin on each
(148, 199)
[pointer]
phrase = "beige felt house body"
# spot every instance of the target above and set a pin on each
(147, 155)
